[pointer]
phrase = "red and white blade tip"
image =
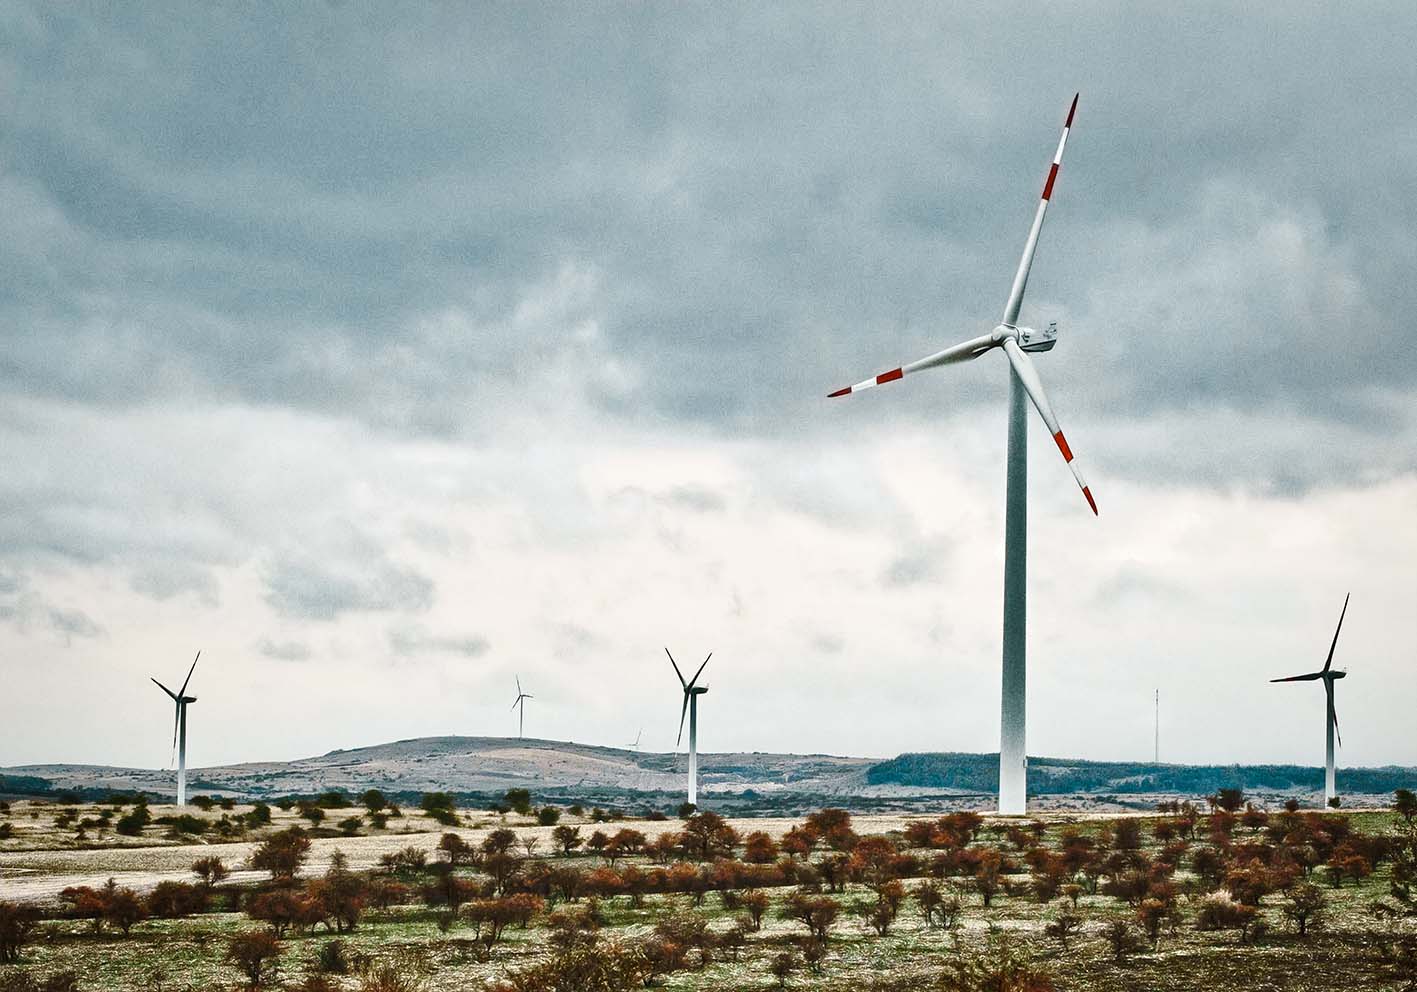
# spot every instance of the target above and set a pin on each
(884, 377)
(1062, 443)
(1072, 110)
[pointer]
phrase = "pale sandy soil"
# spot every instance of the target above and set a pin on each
(40, 873)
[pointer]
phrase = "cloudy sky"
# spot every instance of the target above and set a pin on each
(386, 352)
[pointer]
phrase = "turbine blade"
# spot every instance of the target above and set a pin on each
(964, 352)
(683, 711)
(1333, 713)
(1329, 660)
(176, 719)
(700, 671)
(1023, 368)
(515, 702)
(165, 689)
(519, 685)
(676, 669)
(1011, 308)
(1301, 678)
(183, 690)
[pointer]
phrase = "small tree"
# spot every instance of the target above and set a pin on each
(1063, 927)
(567, 838)
(283, 853)
(988, 875)
(518, 800)
(1121, 939)
(755, 902)
(212, 871)
(1404, 804)
(256, 956)
(782, 966)
(17, 924)
(1229, 799)
(1304, 905)
(548, 816)
(456, 850)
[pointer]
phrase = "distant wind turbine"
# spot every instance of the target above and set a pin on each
(692, 692)
(521, 699)
(636, 746)
(1024, 384)
(1329, 676)
(179, 729)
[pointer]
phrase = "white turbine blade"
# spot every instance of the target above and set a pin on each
(1332, 713)
(676, 669)
(1329, 661)
(699, 672)
(515, 702)
(964, 352)
(682, 712)
(165, 689)
(1023, 368)
(183, 690)
(176, 719)
(1011, 308)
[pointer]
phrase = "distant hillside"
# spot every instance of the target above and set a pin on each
(1063, 776)
(486, 766)
(476, 767)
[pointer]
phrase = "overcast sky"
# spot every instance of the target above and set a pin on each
(384, 353)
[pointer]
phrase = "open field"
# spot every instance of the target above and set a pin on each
(432, 948)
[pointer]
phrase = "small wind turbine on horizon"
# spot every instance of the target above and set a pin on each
(179, 729)
(520, 702)
(1329, 676)
(692, 692)
(1024, 384)
(636, 746)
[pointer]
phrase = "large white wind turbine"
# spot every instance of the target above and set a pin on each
(1015, 342)
(692, 692)
(1329, 676)
(520, 702)
(179, 729)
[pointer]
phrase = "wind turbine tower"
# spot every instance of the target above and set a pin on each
(179, 729)
(1156, 744)
(520, 703)
(1016, 342)
(692, 692)
(1328, 675)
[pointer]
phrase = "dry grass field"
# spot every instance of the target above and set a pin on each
(1050, 922)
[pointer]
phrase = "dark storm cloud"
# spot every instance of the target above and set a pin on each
(361, 210)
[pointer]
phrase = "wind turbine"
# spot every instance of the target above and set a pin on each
(692, 692)
(179, 729)
(521, 699)
(1016, 342)
(1329, 676)
(636, 746)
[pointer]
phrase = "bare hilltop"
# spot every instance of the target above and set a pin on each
(745, 782)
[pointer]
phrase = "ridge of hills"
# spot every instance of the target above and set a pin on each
(567, 771)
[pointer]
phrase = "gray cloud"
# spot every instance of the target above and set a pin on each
(283, 650)
(311, 590)
(922, 563)
(74, 623)
(376, 237)
(172, 579)
(414, 640)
